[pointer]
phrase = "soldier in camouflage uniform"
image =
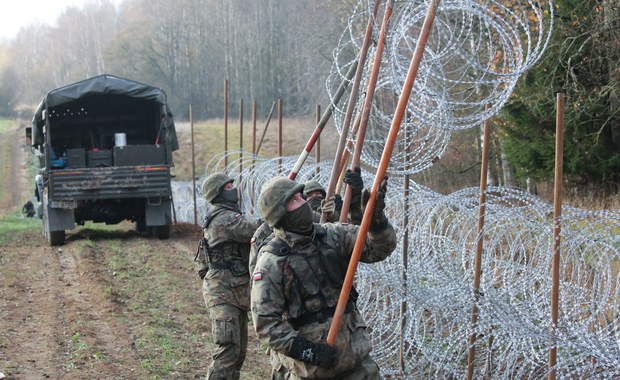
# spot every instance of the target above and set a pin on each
(223, 266)
(297, 282)
(315, 194)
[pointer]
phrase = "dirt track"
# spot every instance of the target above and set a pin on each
(110, 303)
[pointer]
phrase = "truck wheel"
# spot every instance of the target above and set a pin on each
(162, 232)
(57, 237)
(141, 226)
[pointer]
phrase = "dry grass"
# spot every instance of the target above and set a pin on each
(447, 177)
(209, 141)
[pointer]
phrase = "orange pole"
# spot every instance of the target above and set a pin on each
(350, 107)
(370, 92)
(486, 144)
(273, 106)
(240, 137)
(225, 123)
(381, 170)
(557, 213)
(280, 136)
(191, 123)
(317, 151)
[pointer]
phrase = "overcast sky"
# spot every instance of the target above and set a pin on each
(19, 13)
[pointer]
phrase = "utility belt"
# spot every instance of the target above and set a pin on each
(220, 258)
(319, 316)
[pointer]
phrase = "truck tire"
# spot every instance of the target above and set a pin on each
(141, 226)
(162, 232)
(57, 237)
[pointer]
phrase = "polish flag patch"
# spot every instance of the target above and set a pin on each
(258, 276)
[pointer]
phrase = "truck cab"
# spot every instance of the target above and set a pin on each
(104, 147)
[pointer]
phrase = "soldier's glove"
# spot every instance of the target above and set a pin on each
(354, 180)
(379, 220)
(319, 354)
(328, 206)
(338, 201)
(202, 273)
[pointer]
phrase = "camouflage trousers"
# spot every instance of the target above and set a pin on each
(229, 330)
(366, 370)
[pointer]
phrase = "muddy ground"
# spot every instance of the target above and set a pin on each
(110, 304)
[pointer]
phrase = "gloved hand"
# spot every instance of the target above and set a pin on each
(338, 201)
(328, 206)
(320, 354)
(354, 179)
(379, 220)
(202, 273)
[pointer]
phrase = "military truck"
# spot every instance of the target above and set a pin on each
(104, 147)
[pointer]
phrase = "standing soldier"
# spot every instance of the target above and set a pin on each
(315, 194)
(297, 281)
(222, 262)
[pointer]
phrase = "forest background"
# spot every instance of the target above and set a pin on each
(272, 49)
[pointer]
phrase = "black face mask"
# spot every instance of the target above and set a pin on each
(299, 221)
(230, 196)
(315, 202)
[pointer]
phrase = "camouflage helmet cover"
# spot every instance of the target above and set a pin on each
(273, 197)
(214, 184)
(312, 185)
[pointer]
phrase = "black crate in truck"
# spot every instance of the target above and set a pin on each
(76, 158)
(132, 155)
(99, 158)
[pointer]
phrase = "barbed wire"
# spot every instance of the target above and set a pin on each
(418, 302)
(476, 52)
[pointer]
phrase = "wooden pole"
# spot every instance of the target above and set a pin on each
(191, 124)
(557, 214)
(382, 169)
(240, 137)
(273, 106)
(317, 151)
(321, 124)
(403, 273)
(486, 144)
(254, 109)
(225, 124)
(344, 160)
(370, 91)
(280, 136)
(254, 106)
(351, 106)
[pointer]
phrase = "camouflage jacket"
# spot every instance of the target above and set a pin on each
(288, 285)
(228, 236)
(262, 235)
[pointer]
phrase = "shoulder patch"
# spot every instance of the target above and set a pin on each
(258, 276)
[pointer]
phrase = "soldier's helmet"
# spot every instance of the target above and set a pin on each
(312, 185)
(273, 197)
(214, 184)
